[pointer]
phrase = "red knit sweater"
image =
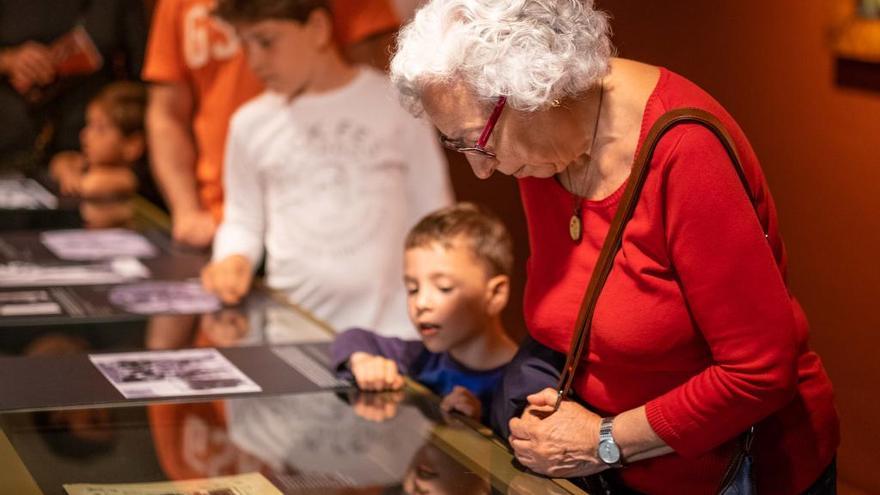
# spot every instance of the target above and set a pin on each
(695, 321)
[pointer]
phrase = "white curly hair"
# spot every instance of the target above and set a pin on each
(531, 51)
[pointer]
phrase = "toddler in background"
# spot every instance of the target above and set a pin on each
(457, 266)
(113, 144)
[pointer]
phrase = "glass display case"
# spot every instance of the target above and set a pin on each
(150, 387)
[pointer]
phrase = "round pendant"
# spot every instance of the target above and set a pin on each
(574, 228)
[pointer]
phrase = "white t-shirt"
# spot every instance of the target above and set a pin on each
(329, 184)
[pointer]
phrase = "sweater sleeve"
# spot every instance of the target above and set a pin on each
(242, 230)
(403, 352)
(736, 296)
(533, 368)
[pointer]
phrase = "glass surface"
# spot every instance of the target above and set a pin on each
(313, 443)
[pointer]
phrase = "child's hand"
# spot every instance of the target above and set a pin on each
(463, 401)
(67, 169)
(374, 373)
(378, 407)
(229, 279)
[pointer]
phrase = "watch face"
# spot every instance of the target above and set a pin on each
(609, 452)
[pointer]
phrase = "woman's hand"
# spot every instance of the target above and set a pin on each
(463, 401)
(374, 373)
(560, 444)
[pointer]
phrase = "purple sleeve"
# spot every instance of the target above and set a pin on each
(533, 368)
(403, 352)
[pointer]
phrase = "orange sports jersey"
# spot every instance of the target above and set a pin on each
(189, 45)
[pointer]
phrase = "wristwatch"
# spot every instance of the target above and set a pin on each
(609, 452)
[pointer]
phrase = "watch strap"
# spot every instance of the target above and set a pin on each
(605, 429)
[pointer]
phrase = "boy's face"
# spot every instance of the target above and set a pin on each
(449, 294)
(284, 53)
(101, 141)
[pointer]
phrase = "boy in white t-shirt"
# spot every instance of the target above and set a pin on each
(324, 171)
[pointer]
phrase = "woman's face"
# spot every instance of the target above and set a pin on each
(525, 144)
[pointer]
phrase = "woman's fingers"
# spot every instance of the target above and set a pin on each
(544, 398)
(518, 429)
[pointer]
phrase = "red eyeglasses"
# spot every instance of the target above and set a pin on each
(479, 147)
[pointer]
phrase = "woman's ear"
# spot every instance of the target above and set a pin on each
(497, 292)
(133, 147)
(320, 26)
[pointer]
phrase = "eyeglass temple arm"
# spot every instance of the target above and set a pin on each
(493, 119)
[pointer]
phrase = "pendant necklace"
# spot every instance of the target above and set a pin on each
(575, 225)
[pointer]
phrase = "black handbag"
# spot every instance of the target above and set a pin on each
(738, 478)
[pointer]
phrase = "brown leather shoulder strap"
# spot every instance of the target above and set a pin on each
(581, 337)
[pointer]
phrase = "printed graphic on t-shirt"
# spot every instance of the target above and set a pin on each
(340, 195)
(206, 37)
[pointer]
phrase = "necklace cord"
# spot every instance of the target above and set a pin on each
(576, 213)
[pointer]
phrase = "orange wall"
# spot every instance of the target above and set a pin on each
(770, 64)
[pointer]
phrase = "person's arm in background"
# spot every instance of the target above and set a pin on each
(27, 65)
(173, 159)
(171, 142)
(238, 245)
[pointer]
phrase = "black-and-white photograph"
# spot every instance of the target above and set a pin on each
(139, 375)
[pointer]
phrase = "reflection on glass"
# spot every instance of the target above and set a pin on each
(433, 471)
(77, 433)
(315, 443)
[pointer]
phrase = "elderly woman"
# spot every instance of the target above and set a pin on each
(695, 337)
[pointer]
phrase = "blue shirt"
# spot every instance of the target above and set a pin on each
(437, 371)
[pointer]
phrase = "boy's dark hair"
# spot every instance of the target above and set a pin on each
(488, 237)
(125, 103)
(261, 10)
